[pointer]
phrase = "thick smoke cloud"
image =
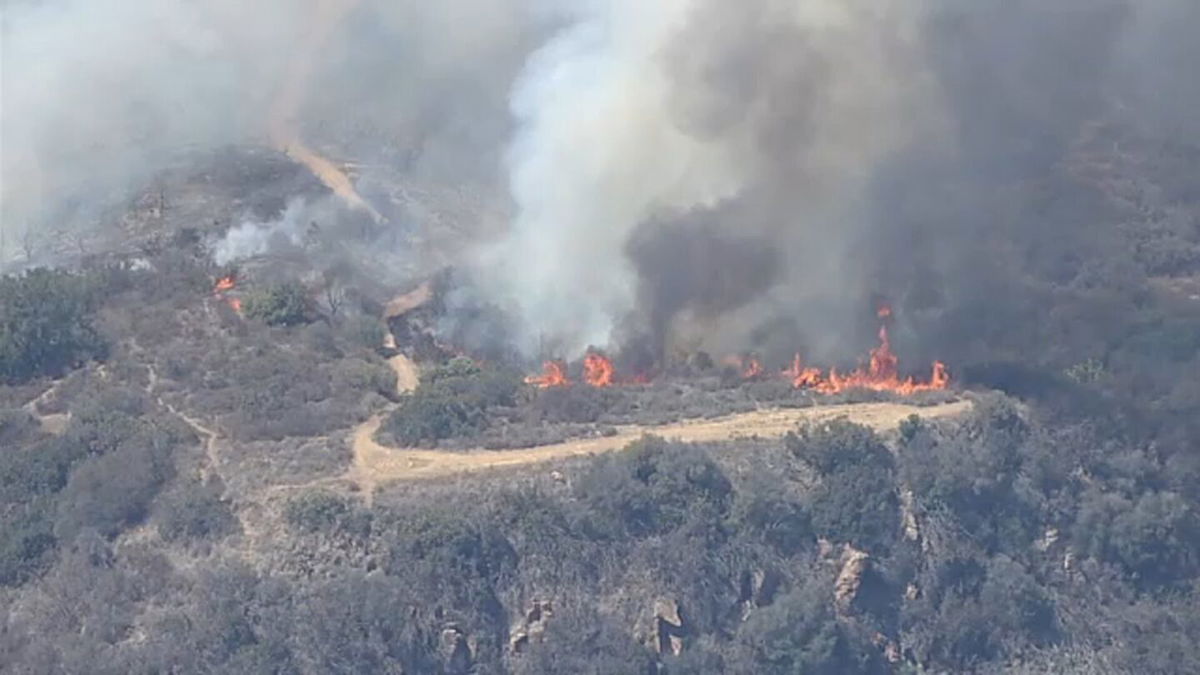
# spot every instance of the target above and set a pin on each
(100, 95)
(719, 174)
(841, 132)
(634, 110)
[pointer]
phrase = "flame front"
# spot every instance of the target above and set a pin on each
(227, 283)
(554, 374)
(881, 373)
(752, 368)
(598, 370)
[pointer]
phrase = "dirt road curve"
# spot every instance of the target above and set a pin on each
(375, 464)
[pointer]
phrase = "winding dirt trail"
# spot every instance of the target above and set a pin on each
(376, 464)
(407, 374)
(283, 124)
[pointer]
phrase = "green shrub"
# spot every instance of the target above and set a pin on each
(284, 304)
(27, 541)
(315, 511)
(856, 499)
(195, 511)
(46, 324)
(653, 487)
(452, 401)
(799, 634)
(428, 418)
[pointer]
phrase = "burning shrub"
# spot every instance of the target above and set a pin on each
(285, 304)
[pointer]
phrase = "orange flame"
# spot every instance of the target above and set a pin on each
(881, 373)
(226, 283)
(236, 304)
(554, 374)
(598, 370)
(801, 376)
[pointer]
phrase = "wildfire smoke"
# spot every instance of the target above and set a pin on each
(881, 372)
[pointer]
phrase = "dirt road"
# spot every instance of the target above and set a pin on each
(375, 464)
(407, 375)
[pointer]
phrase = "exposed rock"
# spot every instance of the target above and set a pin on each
(849, 579)
(532, 626)
(824, 547)
(1048, 539)
(756, 589)
(458, 653)
(908, 515)
(891, 650)
(668, 631)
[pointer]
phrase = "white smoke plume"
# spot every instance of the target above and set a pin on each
(798, 126)
(98, 96)
(635, 109)
(251, 238)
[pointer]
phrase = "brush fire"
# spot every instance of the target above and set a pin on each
(598, 370)
(223, 286)
(554, 374)
(880, 373)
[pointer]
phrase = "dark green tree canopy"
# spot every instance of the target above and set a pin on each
(46, 323)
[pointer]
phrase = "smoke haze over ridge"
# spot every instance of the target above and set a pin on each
(795, 127)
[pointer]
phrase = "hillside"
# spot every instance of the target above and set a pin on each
(528, 337)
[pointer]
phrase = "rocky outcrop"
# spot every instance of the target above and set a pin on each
(668, 627)
(531, 627)
(756, 589)
(457, 651)
(908, 515)
(854, 564)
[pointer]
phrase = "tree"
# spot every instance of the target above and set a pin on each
(799, 634)
(651, 488)
(46, 324)
(284, 304)
(856, 499)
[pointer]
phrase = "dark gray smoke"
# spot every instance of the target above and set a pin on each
(861, 141)
(694, 263)
(807, 155)
(99, 96)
